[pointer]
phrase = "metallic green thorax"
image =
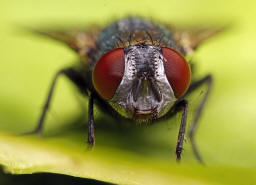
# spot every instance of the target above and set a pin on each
(130, 31)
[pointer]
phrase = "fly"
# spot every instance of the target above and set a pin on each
(136, 69)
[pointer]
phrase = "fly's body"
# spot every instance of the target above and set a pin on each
(136, 69)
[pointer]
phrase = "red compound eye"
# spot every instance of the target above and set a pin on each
(177, 71)
(108, 73)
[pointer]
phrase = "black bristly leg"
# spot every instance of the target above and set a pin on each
(75, 77)
(91, 138)
(179, 145)
(208, 80)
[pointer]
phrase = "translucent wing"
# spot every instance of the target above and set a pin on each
(188, 40)
(80, 40)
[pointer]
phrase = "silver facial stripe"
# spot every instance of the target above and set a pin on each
(123, 93)
(143, 61)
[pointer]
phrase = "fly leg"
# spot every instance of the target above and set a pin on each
(179, 145)
(91, 138)
(75, 77)
(208, 80)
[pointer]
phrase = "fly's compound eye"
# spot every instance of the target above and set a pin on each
(177, 71)
(108, 73)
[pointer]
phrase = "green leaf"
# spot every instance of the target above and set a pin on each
(127, 153)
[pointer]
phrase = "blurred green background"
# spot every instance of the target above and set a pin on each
(127, 154)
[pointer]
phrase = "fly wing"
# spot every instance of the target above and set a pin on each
(188, 40)
(80, 40)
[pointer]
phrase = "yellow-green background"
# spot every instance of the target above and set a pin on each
(126, 154)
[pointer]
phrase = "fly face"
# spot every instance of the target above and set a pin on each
(144, 92)
(141, 81)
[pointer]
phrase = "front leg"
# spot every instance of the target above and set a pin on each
(91, 138)
(179, 145)
(75, 77)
